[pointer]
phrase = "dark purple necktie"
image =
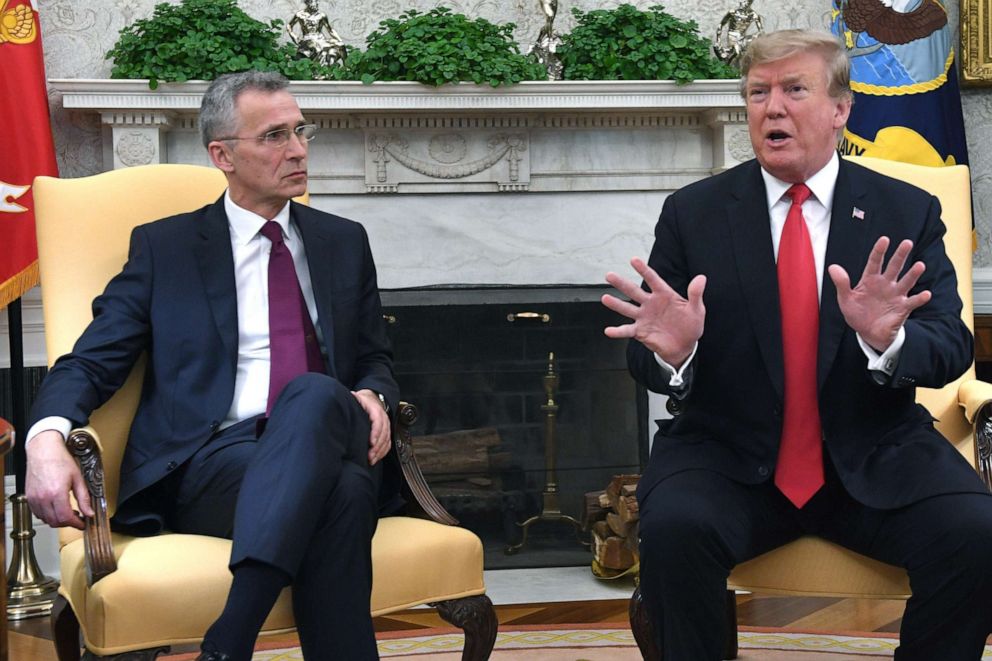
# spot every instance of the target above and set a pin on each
(293, 346)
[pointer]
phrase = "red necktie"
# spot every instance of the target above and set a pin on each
(799, 473)
(293, 346)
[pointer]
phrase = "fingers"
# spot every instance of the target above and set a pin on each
(651, 278)
(841, 280)
(55, 510)
(626, 331)
(912, 276)
(918, 300)
(628, 288)
(82, 495)
(898, 260)
(619, 306)
(380, 440)
(876, 256)
(695, 293)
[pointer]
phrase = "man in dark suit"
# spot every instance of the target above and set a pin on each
(264, 410)
(798, 390)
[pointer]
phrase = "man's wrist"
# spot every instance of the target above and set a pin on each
(51, 423)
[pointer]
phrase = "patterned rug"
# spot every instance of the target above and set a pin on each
(600, 642)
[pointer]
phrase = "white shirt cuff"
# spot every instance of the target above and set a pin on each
(676, 375)
(885, 362)
(51, 423)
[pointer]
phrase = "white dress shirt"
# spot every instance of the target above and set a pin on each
(816, 212)
(251, 268)
(251, 277)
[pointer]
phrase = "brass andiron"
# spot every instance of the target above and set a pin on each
(29, 592)
(550, 510)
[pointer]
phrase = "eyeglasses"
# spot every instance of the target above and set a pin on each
(280, 137)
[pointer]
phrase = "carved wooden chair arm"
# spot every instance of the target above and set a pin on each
(84, 445)
(406, 416)
(975, 398)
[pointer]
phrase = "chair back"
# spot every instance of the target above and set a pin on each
(952, 186)
(84, 226)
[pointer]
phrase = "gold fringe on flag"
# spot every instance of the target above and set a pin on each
(18, 285)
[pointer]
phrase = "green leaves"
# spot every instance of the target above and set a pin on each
(201, 39)
(441, 47)
(628, 44)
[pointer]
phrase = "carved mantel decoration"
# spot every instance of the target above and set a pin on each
(460, 138)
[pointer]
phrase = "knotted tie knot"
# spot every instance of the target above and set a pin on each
(798, 193)
(272, 231)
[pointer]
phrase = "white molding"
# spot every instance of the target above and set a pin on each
(982, 283)
(32, 332)
(345, 97)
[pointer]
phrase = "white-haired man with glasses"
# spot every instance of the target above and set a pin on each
(264, 415)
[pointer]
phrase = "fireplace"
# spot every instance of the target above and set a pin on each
(462, 186)
(474, 360)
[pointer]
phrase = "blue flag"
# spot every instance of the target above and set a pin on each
(907, 106)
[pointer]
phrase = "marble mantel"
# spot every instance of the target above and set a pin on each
(538, 183)
(457, 138)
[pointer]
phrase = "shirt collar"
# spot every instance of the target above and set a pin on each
(245, 225)
(821, 184)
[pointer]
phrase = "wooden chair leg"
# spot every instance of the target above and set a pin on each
(642, 628)
(65, 630)
(476, 616)
(730, 645)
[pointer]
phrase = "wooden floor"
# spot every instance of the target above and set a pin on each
(30, 640)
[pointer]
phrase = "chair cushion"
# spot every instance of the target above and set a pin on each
(814, 566)
(169, 589)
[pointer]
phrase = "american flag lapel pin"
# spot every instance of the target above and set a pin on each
(857, 213)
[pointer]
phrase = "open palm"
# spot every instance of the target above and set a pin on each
(661, 319)
(878, 306)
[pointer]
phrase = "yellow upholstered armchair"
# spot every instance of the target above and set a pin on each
(135, 597)
(815, 567)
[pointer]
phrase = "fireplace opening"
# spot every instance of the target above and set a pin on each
(496, 372)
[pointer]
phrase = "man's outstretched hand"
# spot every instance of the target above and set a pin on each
(878, 306)
(661, 319)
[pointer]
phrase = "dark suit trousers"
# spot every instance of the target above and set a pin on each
(300, 497)
(697, 525)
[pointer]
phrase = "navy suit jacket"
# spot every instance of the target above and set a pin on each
(175, 299)
(883, 445)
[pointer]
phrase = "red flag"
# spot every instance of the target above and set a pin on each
(26, 148)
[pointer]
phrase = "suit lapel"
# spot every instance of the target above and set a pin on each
(216, 262)
(846, 247)
(318, 247)
(750, 227)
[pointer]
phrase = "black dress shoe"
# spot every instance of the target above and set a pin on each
(214, 656)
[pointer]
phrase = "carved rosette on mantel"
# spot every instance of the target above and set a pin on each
(562, 136)
(138, 138)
